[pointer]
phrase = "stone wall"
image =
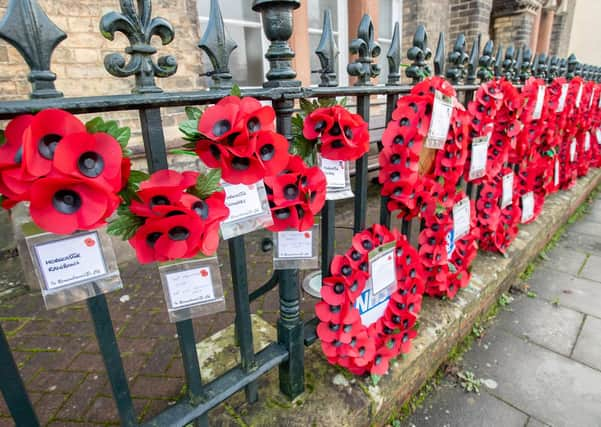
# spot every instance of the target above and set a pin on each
(470, 17)
(562, 28)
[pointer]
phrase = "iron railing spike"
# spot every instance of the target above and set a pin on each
(366, 48)
(419, 53)
(472, 65)
(499, 62)
(486, 62)
(571, 67)
(516, 68)
(27, 27)
(457, 60)
(394, 57)
(139, 28)
(327, 52)
(439, 56)
(218, 46)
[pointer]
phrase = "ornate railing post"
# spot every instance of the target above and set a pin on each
(327, 52)
(499, 62)
(457, 60)
(419, 53)
(277, 25)
(486, 62)
(472, 64)
(571, 67)
(439, 56)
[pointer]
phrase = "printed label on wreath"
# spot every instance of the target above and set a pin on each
(295, 244)
(188, 287)
(527, 206)
(587, 141)
(461, 218)
(440, 122)
(579, 95)
(598, 135)
(335, 172)
(599, 104)
(540, 100)
(590, 102)
(479, 156)
(380, 286)
(242, 200)
(556, 174)
(561, 104)
(573, 150)
(450, 239)
(507, 197)
(70, 261)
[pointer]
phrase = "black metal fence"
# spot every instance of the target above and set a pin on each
(28, 29)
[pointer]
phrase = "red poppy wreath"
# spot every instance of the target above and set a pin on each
(71, 173)
(237, 135)
(173, 216)
(345, 339)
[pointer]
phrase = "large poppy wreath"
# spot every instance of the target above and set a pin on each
(345, 340)
(173, 215)
(71, 173)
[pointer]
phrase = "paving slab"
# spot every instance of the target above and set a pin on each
(533, 422)
(592, 268)
(550, 387)
(580, 242)
(587, 227)
(566, 260)
(577, 293)
(588, 346)
(451, 406)
(540, 322)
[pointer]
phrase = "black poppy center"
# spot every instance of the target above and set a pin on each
(152, 238)
(201, 209)
(19, 155)
(47, 145)
(348, 132)
(178, 233)
(221, 127)
(320, 126)
(159, 201)
(240, 163)
(90, 164)
(66, 201)
(339, 288)
(267, 152)
(335, 131)
(253, 125)
(282, 213)
(290, 192)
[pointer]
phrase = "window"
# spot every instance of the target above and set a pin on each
(247, 63)
(315, 11)
(390, 11)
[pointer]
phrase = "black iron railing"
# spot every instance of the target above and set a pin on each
(27, 28)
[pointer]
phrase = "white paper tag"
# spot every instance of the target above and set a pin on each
(461, 218)
(440, 122)
(587, 141)
(540, 100)
(295, 244)
(561, 103)
(590, 102)
(72, 260)
(189, 287)
(242, 200)
(507, 197)
(527, 206)
(382, 283)
(573, 150)
(579, 95)
(335, 172)
(479, 156)
(598, 135)
(556, 175)
(599, 104)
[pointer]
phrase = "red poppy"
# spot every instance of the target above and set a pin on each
(63, 205)
(11, 152)
(164, 188)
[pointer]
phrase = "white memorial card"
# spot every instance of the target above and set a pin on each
(189, 287)
(479, 156)
(573, 150)
(295, 244)
(242, 200)
(335, 172)
(383, 271)
(556, 174)
(527, 206)
(540, 101)
(598, 135)
(72, 260)
(561, 103)
(461, 218)
(440, 121)
(507, 197)
(587, 141)
(579, 95)
(590, 102)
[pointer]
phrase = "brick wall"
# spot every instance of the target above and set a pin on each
(470, 17)
(562, 28)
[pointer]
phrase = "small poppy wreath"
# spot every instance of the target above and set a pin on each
(296, 195)
(173, 216)
(327, 127)
(344, 339)
(71, 173)
(237, 135)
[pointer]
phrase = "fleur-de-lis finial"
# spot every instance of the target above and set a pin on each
(327, 52)
(509, 63)
(499, 62)
(26, 27)
(525, 65)
(552, 68)
(419, 53)
(540, 68)
(367, 49)
(517, 66)
(563, 67)
(457, 60)
(439, 56)
(394, 58)
(472, 64)
(139, 27)
(572, 65)
(218, 46)
(486, 62)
